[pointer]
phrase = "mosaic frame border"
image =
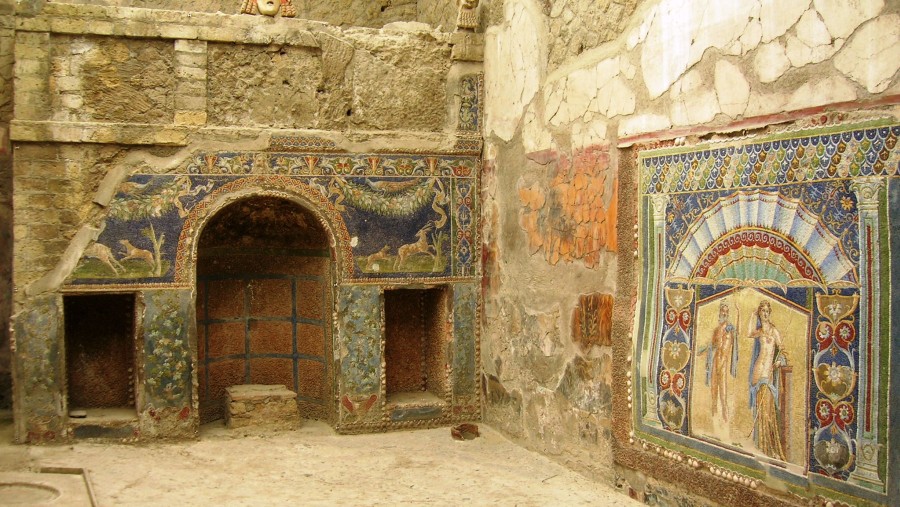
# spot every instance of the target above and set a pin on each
(672, 461)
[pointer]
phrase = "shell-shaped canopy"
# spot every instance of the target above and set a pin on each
(761, 236)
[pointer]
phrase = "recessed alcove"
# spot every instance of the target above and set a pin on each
(100, 343)
(263, 299)
(416, 336)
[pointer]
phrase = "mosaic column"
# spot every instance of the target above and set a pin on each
(659, 203)
(867, 192)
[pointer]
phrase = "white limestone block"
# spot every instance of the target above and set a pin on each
(535, 136)
(666, 52)
(643, 123)
(771, 62)
(721, 23)
(777, 16)
(797, 51)
(616, 98)
(639, 33)
(872, 56)
(842, 17)
(581, 88)
(553, 98)
(557, 8)
(800, 54)
(824, 91)
(605, 71)
(811, 30)
(751, 37)
(514, 67)
(765, 103)
(732, 88)
(588, 134)
(693, 103)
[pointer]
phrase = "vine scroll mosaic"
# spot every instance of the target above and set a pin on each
(765, 317)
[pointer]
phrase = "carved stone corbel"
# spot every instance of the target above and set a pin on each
(468, 15)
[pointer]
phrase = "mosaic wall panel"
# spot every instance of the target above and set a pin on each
(766, 302)
(360, 328)
(39, 372)
(465, 339)
(404, 216)
(167, 350)
(470, 102)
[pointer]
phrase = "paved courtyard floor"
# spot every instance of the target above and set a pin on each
(315, 466)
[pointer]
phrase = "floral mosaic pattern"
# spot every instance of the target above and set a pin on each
(790, 158)
(469, 102)
(167, 361)
(465, 304)
(762, 330)
(360, 328)
(592, 321)
(37, 335)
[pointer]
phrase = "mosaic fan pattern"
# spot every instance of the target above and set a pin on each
(764, 328)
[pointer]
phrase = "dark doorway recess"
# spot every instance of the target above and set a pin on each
(415, 343)
(100, 343)
(264, 304)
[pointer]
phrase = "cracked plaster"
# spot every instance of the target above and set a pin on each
(693, 101)
(732, 88)
(872, 55)
(514, 67)
(842, 17)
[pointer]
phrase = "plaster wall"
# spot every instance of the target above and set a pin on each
(563, 113)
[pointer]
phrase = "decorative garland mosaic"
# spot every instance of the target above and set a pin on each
(763, 324)
(397, 216)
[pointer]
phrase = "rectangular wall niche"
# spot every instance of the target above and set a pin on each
(99, 337)
(416, 335)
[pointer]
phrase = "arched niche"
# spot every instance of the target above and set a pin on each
(265, 268)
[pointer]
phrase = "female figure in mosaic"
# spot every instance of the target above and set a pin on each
(768, 357)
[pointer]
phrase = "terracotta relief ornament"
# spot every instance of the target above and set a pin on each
(269, 7)
(468, 16)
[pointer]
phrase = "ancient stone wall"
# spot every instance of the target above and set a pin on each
(133, 126)
(568, 114)
(6, 109)
(345, 13)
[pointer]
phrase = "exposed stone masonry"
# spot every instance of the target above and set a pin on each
(261, 407)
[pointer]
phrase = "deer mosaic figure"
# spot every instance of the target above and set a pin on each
(420, 246)
(133, 252)
(105, 255)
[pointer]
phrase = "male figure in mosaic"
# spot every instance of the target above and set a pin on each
(767, 359)
(721, 359)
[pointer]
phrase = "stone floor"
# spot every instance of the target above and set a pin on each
(314, 466)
